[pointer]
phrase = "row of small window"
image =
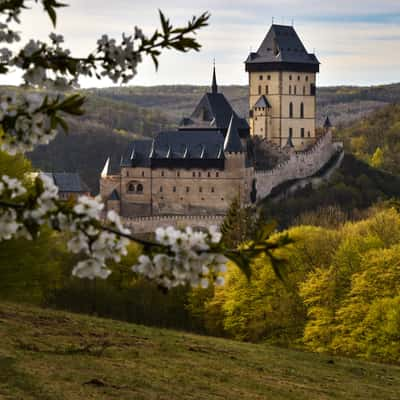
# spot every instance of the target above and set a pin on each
(212, 190)
(162, 198)
(290, 77)
(178, 174)
(302, 133)
(294, 91)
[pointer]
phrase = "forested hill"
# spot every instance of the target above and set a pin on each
(343, 104)
(376, 138)
(104, 130)
(116, 115)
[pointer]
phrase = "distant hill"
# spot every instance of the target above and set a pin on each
(343, 104)
(116, 115)
(105, 130)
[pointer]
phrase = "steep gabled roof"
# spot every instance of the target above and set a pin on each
(232, 143)
(282, 45)
(213, 112)
(262, 102)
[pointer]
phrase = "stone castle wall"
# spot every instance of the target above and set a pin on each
(300, 165)
(150, 224)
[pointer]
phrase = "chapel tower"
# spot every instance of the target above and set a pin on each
(282, 89)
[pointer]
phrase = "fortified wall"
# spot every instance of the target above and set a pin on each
(150, 224)
(300, 165)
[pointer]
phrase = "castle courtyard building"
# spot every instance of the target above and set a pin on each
(199, 168)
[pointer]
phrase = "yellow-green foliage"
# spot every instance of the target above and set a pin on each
(352, 305)
(341, 294)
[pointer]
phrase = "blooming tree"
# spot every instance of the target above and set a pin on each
(175, 257)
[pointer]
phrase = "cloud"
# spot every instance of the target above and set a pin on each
(353, 39)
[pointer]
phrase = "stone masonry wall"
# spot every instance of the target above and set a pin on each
(300, 165)
(149, 224)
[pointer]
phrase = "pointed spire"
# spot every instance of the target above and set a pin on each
(105, 171)
(232, 142)
(220, 153)
(152, 150)
(327, 123)
(133, 153)
(214, 86)
(203, 152)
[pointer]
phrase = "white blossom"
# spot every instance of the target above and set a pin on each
(187, 261)
(91, 269)
(8, 224)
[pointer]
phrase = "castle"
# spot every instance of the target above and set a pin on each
(199, 168)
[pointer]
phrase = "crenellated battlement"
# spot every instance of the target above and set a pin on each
(150, 223)
(301, 164)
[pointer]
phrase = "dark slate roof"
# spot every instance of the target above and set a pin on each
(262, 102)
(214, 111)
(232, 142)
(282, 45)
(191, 144)
(137, 154)
(114, 195)
(188, 145)
(68, 182)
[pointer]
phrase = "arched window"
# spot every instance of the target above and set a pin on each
(304, 90)
(187, 189)
(302, 110)
(200, 189)
(302, 132)
(259, 89)
(217, 174)
(290, 133)
(139, 188)
(161, 189)
(295, 89)
(212, 190)
(174, 189)
(131, 187)
(266, 89)
(290, 110)
(290, 89)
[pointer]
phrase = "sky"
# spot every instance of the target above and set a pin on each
(356, 41)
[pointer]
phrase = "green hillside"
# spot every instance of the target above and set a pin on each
(55, 355)
(376, 138)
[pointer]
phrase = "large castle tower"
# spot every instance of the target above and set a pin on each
(282, 83)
